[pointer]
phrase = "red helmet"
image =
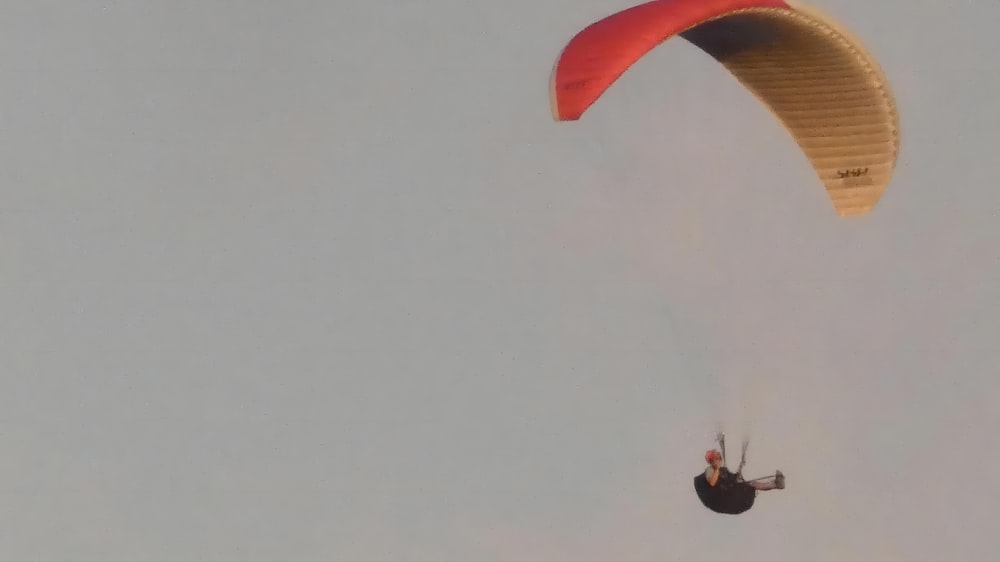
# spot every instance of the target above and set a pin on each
(711, 455)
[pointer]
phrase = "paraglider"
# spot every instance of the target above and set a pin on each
(726, 492)
(814, 76)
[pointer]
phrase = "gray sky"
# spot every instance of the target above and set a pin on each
(324, 281)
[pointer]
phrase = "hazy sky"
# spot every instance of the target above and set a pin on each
(323, 281)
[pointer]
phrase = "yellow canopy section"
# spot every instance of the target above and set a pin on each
(824, 88)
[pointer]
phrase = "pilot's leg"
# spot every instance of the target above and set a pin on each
(768, 484)
(771, 483)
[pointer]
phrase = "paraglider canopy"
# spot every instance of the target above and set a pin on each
(818, 80)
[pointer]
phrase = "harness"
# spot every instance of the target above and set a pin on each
(730, 495)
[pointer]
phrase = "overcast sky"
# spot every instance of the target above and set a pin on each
(324, 281)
